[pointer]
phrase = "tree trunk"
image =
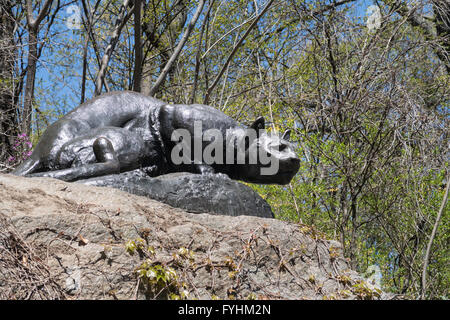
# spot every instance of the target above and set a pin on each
(8, 118)
(33, 31)
(29, 86)
(137, 74)
(164, 41)
(83, 76)
(122, 18)
(178, 48)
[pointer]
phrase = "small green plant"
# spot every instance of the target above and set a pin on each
(364, 292)
(334, 253)
(312, 232)
(229, 262)
(344, 279)
(135, 245)
(158, 279)
(184, 253)
(345, 293)
(252, 296)
(138, 245)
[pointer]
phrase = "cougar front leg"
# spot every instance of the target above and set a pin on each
(107, 163)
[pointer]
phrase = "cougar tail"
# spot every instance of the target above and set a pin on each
(28, 166)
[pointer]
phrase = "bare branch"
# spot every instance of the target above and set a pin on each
(233, 52)
(137, 72)
(122, 18)
(34, 23)
(178, 48)
(430, 242)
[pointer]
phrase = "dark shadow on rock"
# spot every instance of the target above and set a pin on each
(215, 193)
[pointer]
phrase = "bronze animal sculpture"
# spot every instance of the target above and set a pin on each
(124, 131)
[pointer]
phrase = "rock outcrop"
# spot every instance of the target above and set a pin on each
(72, 241)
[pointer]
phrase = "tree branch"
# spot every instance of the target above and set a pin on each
(137, 72)
(122, 18)
(233, 52)
(429, 33)
(33, 23)
(177, 50)
(430, 242)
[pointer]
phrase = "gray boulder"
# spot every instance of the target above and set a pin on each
(61, 240)
(215, 194)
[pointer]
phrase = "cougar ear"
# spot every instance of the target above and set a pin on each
(258, 124)
(286, 135)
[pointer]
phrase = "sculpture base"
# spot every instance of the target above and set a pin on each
(214, 194)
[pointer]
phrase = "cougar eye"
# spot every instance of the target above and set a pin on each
(283, 147)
